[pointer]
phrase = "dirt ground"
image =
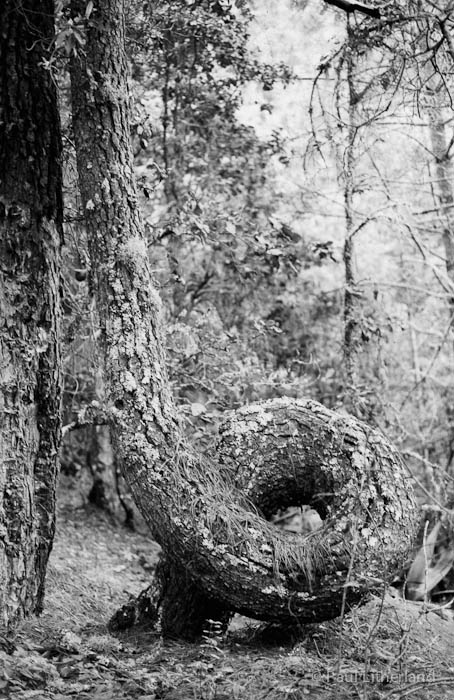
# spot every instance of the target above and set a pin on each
(388, 648)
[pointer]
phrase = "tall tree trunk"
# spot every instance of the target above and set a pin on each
(444, 192)
(443, 169)
(352, 295)
(30, 240)
(228, 555)
(444, 188)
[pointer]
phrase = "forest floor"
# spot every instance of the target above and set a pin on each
(387, 648)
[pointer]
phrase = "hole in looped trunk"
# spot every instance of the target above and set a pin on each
(301, 520)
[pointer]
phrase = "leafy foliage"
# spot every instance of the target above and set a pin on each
(225, 253)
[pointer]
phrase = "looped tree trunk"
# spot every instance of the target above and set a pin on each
(286, 452)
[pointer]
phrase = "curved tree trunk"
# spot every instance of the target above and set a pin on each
(285, 452)
(30, 239)
(230, 554)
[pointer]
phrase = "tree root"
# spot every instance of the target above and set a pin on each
(172, 604)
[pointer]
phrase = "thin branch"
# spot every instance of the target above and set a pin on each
(92, 414)
(431, 363)
(348, 6)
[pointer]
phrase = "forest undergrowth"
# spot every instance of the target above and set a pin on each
(387, 648)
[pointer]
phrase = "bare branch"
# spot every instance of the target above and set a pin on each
(348, 6)
(92, 414)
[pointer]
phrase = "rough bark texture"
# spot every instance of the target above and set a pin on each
(30, 239)
(353, 304)
(172, 604)
(206, 526)
(285, 452)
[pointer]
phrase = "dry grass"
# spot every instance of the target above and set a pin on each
(385, 649)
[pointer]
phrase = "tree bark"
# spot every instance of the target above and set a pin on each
(285, 452)
(30, 240)
(434, 90)
(207, 527)
(353, 303)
